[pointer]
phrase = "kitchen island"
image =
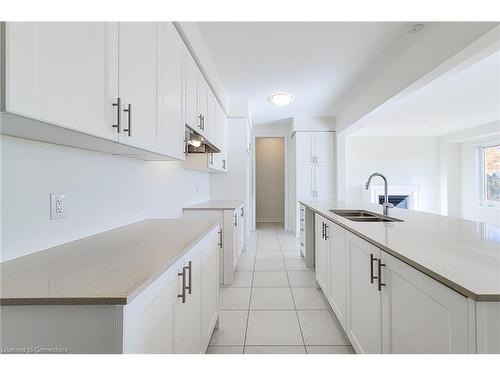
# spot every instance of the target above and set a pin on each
(431, 277)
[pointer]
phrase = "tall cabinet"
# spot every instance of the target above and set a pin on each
(315, 163)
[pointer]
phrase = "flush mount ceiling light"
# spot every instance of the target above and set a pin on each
(281, 98)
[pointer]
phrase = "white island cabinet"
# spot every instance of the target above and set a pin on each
(173, 310)
(391, 305)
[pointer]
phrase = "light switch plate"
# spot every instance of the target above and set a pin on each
(57, 206)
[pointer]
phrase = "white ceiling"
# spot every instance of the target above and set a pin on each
(451, 103)
(315, 61)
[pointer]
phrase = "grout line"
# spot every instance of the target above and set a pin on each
(250, 299)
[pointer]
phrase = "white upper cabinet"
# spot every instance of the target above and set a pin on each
(203, 104)
(140, 75)
(64, 74)
(305, 147)
(122, 82)
(191, 92)
(172, 135)
(315, 148)
(438, 314)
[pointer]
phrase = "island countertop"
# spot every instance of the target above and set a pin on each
(459, 253)
(216, 205)
(112, 267)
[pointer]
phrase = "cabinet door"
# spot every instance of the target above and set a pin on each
(337, 251)
(210, 286)
(203, 99)
(420, 315)
(64, 73)
(221, 131)
(324, 177)
(305, 147)
(305, 182)
(150, 319)
(191, 91)
(211, 118)
(364, 320)
(172, 128)
(324, 148)
(139, 76)
(191, 311)
(321, 255)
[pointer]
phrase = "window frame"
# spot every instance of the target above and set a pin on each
(481, 176)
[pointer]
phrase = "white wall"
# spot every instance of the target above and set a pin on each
(103, 192)
(270, 179)
(403, 160)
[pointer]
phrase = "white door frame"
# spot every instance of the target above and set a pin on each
(254, 182)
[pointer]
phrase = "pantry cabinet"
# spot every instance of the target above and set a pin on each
(316, 182)
(315, 148)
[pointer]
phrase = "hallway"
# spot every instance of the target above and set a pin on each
(273, 305)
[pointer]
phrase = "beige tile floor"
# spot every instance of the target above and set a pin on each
(273, 306)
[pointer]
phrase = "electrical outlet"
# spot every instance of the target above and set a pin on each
(57, 206)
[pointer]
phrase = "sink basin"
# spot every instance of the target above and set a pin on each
(364, 216)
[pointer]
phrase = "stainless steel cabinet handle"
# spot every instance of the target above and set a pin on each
(190, 268)
(235, 220)
(183, 294)
(200, 116)
(203, 122)
(118, 106)
(223, 163)
(211, 159)
(372, 259)
(326, 233)
(380, 283)
(242, 214)
(220, 239)
(129, 116)
(323, 230)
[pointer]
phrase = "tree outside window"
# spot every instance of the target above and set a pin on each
(492, 174)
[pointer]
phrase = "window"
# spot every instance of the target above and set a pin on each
(491, 175)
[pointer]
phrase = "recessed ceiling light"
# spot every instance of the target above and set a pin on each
(415, 28)
(281, 98)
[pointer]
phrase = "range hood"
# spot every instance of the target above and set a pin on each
(198, 144)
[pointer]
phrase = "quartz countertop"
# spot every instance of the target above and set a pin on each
(110, 268)
(453, 251)
(216, 205)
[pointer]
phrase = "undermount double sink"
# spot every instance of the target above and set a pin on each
(365, 216)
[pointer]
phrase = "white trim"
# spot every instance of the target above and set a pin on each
(411, 190)
(481, 175)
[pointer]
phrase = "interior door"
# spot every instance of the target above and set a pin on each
(364, 305)
(64, 73)
(210, 285)
(321, 255)
(324, 177)
(324, 148)
(337, 252)
(438, 315)
(140, 75)
(305, 147)
(172, 128)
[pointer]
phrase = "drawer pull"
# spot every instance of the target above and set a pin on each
(190, 268)
(183, 294)
(118, 106)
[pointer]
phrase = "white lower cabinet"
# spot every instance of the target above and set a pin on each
(364, 309)
(385, 305)
(231, 238)
(420, 315)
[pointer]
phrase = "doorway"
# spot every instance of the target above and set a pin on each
(270, 181)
